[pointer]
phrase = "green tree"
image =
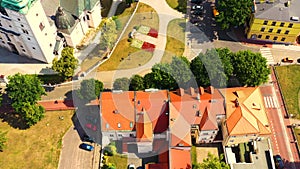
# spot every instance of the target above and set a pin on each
(67, 63)
(208, 69)
(250, 68)
(162, 76)
(90, 89)
(149, 81)
(108, 34)
(121, 84)
(136, 83)
(233, 12)
(3, 140)
(180, 71)
(225, 55)
(25, 91)
(212, 162)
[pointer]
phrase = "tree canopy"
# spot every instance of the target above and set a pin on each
(3, 140)
(233, 12)
(66, 64)
(121, 84)
(25, 91)
(108, 34)
(136, 83)
(209, 68)
(90, 89)
(180, 71)
(212, 162)
(250, 68)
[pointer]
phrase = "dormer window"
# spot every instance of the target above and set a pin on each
(107, 125)
(119, 125)
(131, 124)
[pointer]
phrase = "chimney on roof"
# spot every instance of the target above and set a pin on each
(210, 89)
(198, 97)
(201, 90)
(191, 91)
(180, 91)
(237, 104)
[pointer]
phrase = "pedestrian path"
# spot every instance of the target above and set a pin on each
(266, 52)
(270, 102)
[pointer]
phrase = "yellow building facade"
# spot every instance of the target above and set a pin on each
(275, 22)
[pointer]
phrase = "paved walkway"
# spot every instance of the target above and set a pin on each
(113, 8)
(165, 14)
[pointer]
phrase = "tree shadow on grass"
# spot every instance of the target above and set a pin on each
(7, 114)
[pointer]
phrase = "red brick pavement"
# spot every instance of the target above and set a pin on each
(57, 105)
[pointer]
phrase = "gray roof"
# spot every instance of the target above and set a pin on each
(50, 7)
(76, 7)
(64, 20)
(277, 10)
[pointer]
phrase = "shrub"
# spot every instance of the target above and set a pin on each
(110, 150)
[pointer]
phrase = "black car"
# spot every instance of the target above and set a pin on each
(88, 139)
(198, 12)
(197, 1)
(279, 162)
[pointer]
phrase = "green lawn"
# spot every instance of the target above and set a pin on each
(179, 5)
(194, 155)
(120, 59)
(119, 160)
(289, 80)
(37, 147)
(172, 3)
(175, 40)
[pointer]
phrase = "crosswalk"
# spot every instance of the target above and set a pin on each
(266, 52)
(270, 102)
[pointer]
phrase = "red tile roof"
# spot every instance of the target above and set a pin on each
(208, 121)
(157, 166)
(144, 130)
(117, 111)
(180, 158)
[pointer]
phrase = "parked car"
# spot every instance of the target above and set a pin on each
(287, 60)
(91, 119)
(131, 166)
(91, 126)
(198, 7)
(279, 162)
(88, 139)
(198, 12)
(86, 147)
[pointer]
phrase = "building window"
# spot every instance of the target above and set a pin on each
(267, 37)
(262, 29)
(42, 26)
(265, 22)
(120, 135)
(205, 134)
(87, 17)
(119, 125)
(21, 46)
(9, 26)
(270, 30)
(50, 44)
(278, 31)
(3, 42)
(282, 39)
(23, 50)
(259, 36)
(19, 19)
(273, 23)
(111, 135)
(107, 125)
(22, 25)
(33, 48)
(282, 24)
(28, 38)
(287, 32)
(290, 25)
(231, 141)
(275, 38)
(131, 124)
(36, 14)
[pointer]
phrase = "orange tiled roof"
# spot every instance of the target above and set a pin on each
(117, 111)
(180, 158)
(208, 121)
(245, 112)
(144, 130)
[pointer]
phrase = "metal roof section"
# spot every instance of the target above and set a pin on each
(21, 6)
(279, 10)
(63, 19)
(76, 7)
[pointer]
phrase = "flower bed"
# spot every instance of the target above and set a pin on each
(152, 32)
(137, 43)
(148, 46)
(144, 29)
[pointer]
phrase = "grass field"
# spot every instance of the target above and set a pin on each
(172, 3)
(37, 147)
(119, 160)
(120, 59)
(289, 80)
(175, 40)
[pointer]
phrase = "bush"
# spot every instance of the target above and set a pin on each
(129, 39)
(110, 150)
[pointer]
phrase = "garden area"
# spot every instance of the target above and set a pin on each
(111, 159)
(175, 40)
(289, 80)
(126, 55)
(36, 147)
